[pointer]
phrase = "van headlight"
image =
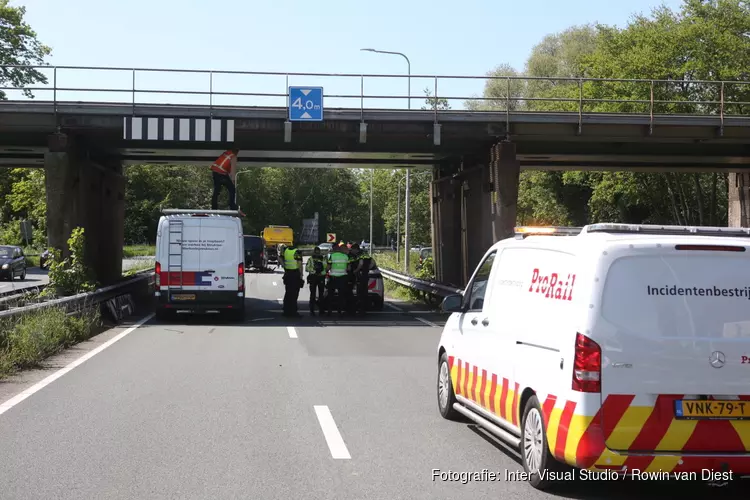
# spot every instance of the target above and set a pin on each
(5, 266)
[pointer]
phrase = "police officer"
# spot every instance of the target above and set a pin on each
(362, 273)
(338, 266)
(293, 282)
(316, 276)
(354, 255)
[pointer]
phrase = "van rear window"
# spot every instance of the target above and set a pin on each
(686, 295)
(253, 243)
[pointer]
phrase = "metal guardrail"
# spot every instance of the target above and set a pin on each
(432, 287)
(514, 94)
(75, 302)
(21, 291)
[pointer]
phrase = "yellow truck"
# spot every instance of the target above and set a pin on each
(275, 236)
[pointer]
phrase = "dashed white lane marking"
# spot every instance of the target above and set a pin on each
(396, 308)
(292, 332)
(261, 319)
(428, 323)
(333, 437)
(62, 371)
(275, 284)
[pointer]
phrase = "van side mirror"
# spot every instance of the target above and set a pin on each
(452, 303)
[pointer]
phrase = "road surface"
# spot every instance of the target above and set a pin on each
(34, 277)
(270, 409)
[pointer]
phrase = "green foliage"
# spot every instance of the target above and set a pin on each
(32, 337)
(70, 276)
(19, 46)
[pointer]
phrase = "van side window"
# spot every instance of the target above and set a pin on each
(478, 287)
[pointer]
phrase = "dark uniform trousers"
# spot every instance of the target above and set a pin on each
(363, 281)
(339, 285)
(317, 284)
(292, 285)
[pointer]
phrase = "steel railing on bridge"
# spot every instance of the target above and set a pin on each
(217, 90)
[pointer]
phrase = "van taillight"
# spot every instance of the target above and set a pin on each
(587, 365)
(241, 277)
(157, 272)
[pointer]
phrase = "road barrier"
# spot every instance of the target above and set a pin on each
(428, 287)
(139, 284)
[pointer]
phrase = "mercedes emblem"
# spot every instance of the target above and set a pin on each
(717, 359)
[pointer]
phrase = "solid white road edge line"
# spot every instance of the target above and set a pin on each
(292, 332)
(396, 308)
(428, 323)
(7, 405)
(333, 437)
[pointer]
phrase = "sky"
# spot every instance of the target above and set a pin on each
(468, 37)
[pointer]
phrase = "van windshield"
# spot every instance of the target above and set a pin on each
(253, 243)
(696, 294)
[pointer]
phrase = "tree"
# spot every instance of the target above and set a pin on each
(431, 102)
(504, 88)
(19, 46)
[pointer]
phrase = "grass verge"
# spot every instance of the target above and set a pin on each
(27, 340)
(138, 251)
(134, 267)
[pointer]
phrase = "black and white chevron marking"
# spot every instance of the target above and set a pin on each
(136, 128)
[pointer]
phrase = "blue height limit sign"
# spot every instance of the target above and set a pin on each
(305, 104)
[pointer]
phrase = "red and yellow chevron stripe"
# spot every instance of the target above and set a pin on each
(621, 422)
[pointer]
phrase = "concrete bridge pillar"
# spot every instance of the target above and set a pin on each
(84, 190)
(472, 208)
(739, 199)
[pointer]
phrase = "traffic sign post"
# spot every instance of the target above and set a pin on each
(305, 104)
(330, 237)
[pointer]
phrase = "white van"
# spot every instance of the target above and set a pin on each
(200, 262)
(620, 350)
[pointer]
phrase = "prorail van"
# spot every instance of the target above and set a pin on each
(613, 347)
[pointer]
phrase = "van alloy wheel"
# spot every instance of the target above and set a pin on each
(444, 386)
(533, 441)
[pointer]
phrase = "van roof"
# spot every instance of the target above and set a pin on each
(601, 234)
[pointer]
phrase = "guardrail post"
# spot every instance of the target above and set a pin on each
(651, 111)
(580, 106)
(721, 111)
(54, 94)
(211, 94)
(133, 89)
(507, 108)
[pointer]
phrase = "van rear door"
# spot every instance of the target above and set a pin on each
(220, 255)
(674, 330)
(179, 253)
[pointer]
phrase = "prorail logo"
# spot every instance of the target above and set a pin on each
(553, 286)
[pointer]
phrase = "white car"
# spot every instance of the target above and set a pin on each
(622, 350)
(200, 263)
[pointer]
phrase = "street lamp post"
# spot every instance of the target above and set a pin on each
(407, 196)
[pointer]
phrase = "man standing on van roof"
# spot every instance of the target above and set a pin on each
(224, 171)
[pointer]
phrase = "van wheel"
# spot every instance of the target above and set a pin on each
(445, 394)
(237, 315)
(162, 314)
(535, 452)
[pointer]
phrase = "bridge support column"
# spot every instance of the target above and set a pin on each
(446, 227)
(82, 192)
(738, 199)
(504, 173)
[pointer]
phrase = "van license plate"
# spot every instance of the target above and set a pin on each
(184, 296)
(727, 410)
